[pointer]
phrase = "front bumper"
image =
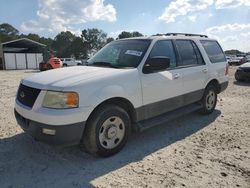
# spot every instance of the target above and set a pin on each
(64, 135)
(243, 75)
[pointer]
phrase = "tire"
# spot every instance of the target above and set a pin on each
(65, 65)
(209, 100)
(107, 131)
(237, 77)
(41, 65)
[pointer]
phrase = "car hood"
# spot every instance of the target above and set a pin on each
(59, 79)
(245, 65)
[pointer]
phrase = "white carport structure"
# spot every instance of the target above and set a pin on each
(21, 54)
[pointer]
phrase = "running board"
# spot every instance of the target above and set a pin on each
(161, 119)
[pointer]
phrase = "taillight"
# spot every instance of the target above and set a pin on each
(226, 69)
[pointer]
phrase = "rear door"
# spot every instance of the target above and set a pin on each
(194, 70)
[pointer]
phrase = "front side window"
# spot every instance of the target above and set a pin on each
(164, 48)
(189, 53)
(213, 51)
(119, 54)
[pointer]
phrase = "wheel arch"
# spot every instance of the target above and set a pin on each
(214, 82)
(121, 102)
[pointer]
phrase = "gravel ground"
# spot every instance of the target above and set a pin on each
(194, 151)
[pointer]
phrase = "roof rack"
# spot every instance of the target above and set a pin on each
(159, 34)
(186, 34)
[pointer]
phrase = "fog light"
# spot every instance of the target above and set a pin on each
(49, 131)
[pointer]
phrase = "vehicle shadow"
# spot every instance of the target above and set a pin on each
(27, 163)
(245, 83)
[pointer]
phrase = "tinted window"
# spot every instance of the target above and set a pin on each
(198, 54)
(189, 53)
(164, 48)
(213, 51)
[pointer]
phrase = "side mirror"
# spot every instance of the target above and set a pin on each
(156, 64)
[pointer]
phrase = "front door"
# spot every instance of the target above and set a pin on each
(161, 90)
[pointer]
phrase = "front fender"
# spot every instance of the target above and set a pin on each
(106, 93)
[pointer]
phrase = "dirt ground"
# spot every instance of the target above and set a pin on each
(194, 151)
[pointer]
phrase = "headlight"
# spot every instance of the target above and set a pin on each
(54, 99)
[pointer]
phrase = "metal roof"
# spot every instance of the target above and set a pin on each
(22, 43)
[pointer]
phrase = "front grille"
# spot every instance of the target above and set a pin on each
(27, 95)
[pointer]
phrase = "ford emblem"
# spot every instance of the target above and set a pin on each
(22, 95)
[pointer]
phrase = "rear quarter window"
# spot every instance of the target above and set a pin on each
(214, 51)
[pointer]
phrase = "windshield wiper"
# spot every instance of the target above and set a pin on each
(105, 64)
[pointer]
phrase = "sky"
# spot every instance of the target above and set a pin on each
(228, 21)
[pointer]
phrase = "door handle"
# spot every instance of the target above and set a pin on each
(176, 76)
(204, 70)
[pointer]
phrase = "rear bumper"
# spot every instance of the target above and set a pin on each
(62, 135)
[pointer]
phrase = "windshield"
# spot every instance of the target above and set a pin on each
(121, 54)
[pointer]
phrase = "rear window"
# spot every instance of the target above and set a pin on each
(213, 51)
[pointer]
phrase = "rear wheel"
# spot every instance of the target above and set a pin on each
(209, 100)
(65, 65)
(106, 131)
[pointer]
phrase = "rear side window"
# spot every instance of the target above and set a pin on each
(213, 51)
(189, 53)
(164, 48)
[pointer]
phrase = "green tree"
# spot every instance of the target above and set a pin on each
(136, 34)
(34, 37)
(47, 41)
(110, 39)
(126, 34)
(7, 29)
(62, 42)
(78, 49)
(8, 32)
(94, 39)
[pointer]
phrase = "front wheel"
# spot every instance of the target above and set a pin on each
(106, 131)
(209, 100)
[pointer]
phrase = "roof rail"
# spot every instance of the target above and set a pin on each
(159, 34)
(186, 34)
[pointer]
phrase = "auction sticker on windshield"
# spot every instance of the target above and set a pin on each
(133, 52)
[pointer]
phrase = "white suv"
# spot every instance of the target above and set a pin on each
(70, 62)
(129, 84)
